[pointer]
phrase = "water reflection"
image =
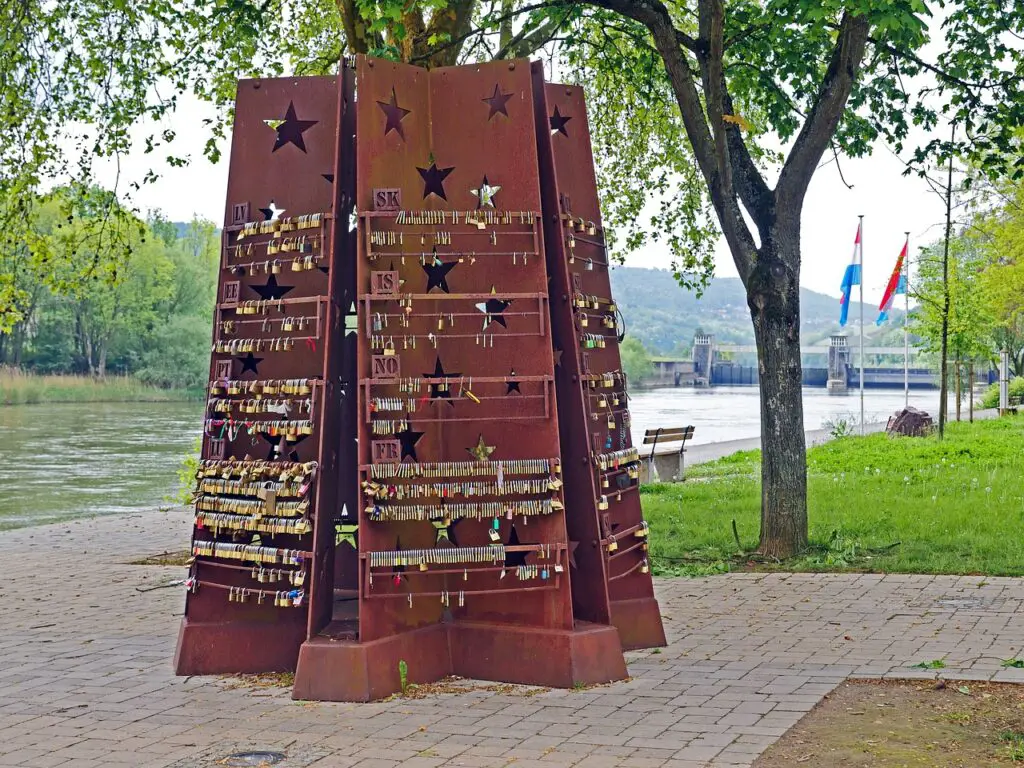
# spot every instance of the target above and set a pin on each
(733, 413)
(58, 461)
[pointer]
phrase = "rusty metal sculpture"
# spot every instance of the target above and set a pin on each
(414, 501)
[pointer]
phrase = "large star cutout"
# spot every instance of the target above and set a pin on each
(485, 195)
(557, 354)
(433, 180)
(273, 213)
(290, 130)
(346, 534)
(249, 363)
(436, 389)
(276, 443)
(445, 530)
(497, 102)
(558, 121)
(271, 290)
(512, 384)
(515, 559)
(395, 115)
(492, 309)
(437, 275)
(481, 451)
(572, 553)
(409, 438)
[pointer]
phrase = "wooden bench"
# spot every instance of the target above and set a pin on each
(654, 437)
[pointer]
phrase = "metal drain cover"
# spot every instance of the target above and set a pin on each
(248, 759)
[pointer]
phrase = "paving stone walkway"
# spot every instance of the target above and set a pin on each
(85, 669)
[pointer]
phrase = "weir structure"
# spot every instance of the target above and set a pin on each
(417, 459)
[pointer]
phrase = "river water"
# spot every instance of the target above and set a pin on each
(66, 460)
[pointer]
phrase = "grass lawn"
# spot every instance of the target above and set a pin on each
(905, 505)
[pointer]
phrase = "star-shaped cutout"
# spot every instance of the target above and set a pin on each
(445, 532)
(290, 130)
(512, 385)
(557, 354)
(497, 102)
(558, 121)
(433, 180)
(272, 213)
(277, 444)
(515, 559)
(481, 451)
(440, 390)
(271, 290)
(346, 534)
(485, 195)
(409, 438)
(437, 274)
(608, 527)
(492, 309)
(399, 569)
(249, 363)
(394, 114)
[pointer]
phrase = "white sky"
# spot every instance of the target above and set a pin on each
(890, 202)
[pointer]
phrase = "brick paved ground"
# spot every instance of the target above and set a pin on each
(85, 669)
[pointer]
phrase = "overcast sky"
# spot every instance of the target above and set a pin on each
(891, 204)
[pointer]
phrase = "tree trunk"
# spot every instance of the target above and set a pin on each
(773, 295)
(101, 364)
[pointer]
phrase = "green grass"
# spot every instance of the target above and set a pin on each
(18, 388)
(877, 504)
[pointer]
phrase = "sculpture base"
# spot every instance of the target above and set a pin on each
(345, 670)
(639, 623)
(214, 648)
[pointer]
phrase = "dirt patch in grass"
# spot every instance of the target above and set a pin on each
(893, 724)
(166, 558)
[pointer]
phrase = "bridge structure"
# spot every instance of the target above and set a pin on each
(838, 371)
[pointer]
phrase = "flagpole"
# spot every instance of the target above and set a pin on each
(860, 287)
(906, 335)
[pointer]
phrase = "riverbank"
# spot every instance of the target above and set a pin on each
(907, 505)
(19, 388)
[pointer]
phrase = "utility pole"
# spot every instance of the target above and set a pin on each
(860, 287)
(944, 365)
(906, 333)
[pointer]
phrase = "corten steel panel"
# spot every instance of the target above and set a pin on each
(338, 458)
(615, 536)
(283, 159)
(407, 119)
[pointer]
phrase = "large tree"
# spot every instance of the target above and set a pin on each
(692, 101)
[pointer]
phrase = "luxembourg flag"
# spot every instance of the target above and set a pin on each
(851, 278)
(897, 284)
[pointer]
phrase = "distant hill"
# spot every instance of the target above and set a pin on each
(664, 316)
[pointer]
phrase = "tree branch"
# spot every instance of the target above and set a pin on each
(824, 116)
(526, 42)
(655, 16)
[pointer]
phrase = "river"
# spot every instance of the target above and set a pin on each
(65, 460)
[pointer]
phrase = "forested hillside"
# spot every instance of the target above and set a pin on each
(664, 316)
